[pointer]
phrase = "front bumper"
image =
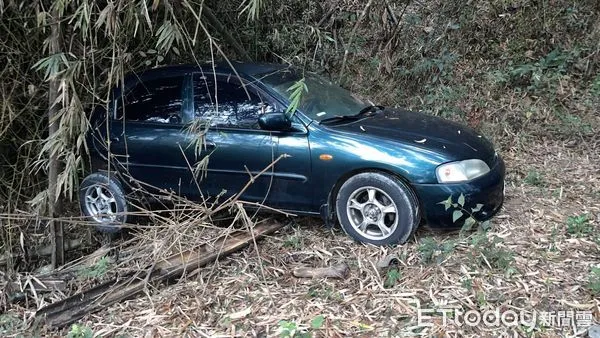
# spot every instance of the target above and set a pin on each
(487, 190)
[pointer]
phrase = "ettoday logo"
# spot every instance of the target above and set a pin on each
(489, 318)
(507, 318)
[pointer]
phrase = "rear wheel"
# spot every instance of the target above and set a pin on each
(377, 208)
(102, 201)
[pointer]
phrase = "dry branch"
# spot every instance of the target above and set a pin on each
(213, 21)
(336, 271)
(42, 251)
(69, 310)
(348, 46)
(39, 285)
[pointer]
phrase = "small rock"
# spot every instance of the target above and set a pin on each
(387, 261)
(594, 331)
(42, 270)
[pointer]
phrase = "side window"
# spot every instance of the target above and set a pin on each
(157, 101)
(227, 104)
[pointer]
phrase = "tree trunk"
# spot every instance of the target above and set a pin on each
(56, 228)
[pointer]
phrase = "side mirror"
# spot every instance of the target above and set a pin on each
(274, 122)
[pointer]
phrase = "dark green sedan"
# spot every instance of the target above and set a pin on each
(379, 172)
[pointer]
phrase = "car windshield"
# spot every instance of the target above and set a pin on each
(323, 99)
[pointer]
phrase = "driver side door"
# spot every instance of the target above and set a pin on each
(234, 143)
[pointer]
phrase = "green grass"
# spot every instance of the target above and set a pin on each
(80, 331)
(9, 324)
(325, 292)
(578, 225)
(594, 281)
(489, 252)
(534, 178)
(467, 283)
(434, 252)
(97, 270)
(392, 277)
(293, 242)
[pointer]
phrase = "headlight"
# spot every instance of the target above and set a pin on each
(461, 171)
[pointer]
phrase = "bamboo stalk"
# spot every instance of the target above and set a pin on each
(56, 228)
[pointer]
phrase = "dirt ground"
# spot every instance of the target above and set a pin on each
(536, 260)
(540, 260)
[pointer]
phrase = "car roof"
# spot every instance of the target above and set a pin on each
(244, 69)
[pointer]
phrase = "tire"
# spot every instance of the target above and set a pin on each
(103, 202)
(377, 208)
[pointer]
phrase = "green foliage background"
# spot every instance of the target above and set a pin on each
(523, 67)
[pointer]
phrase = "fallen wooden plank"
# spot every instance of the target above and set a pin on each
(69, 310)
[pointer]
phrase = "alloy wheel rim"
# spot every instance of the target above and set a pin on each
(100, 204)
(372, 213)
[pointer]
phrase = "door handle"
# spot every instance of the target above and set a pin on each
(114, 138)
(209, 144)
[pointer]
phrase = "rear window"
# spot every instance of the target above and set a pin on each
(157, 100)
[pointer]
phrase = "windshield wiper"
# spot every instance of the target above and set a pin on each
(340, 118)
(369, 109)
(359, 115)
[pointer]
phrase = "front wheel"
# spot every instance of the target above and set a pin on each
(377, 208)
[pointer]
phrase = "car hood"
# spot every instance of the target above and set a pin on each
(457, 141)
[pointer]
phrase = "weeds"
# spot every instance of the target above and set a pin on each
(79, 331)
(433, 70)
(594, 281)
(490, 253)
(542, 77)
(325, 292)
(393, 275)
(572, 124)
(317, 322)
(433, 252)
(294, 242)
(467, 283)
(534, 178)
(579, 225)
(289, 329)
(9, 324)
(460, 211)
(97, 270)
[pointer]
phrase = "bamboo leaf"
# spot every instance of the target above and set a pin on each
(456, 215)
(461, 200)
(477, 208)
(167, 34)
(251, 8)
(296, 89)
(447, 203)
(155, 4)
(469, 222)
(317, 322)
